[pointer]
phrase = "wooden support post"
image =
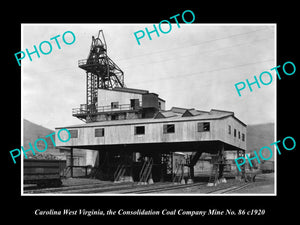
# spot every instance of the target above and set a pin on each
(241, 175)
(71, 163)
(131, 163)
(163, 166)
(192, 173)
(244, 166)
(237, 170)
(221, 161)
(97, 160)
(172, 165)
(150, 180)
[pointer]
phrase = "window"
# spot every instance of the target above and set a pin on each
(139, 130)
(229, 129)
(243, 137)
(169, 128)
(74, 133)
(234, 133)
(202, 127)
(99, 132)
(115, 105)
(239, 135)
(134, 103)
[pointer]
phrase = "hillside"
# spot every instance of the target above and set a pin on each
(260, 135)
(32, 132)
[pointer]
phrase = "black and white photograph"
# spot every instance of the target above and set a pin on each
(162, 117)
(173, 114)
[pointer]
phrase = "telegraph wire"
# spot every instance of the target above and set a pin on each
(171, 59)
(201, 53)
(199, 72)
(200, 43)
(169, 50)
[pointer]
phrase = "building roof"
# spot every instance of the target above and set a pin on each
(164, 117)
(131, 90)
(161, 99)
(193, 112)
(178, 110)
(165, 114)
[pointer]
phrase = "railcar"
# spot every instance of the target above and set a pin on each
(267, 167)
(43, 173)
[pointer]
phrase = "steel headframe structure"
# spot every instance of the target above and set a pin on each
(101, 71)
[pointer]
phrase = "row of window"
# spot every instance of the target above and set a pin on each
(201, 127)
(167, 129)
(235, 132)
(140, 130)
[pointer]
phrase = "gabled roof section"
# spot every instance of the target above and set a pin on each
(165, 114)
(225, 113)
(173, 112)
(178, 110)
(193, 112)
(184, 112)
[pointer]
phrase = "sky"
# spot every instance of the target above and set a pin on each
(194, 66)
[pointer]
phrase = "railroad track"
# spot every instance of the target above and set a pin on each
(228, 189)
(163, 188)
(76, 188)
(233, 188)
(222, 190)
(124, 189)
(92, 188)
(132, 188)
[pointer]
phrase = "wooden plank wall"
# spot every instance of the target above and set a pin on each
(184, 131)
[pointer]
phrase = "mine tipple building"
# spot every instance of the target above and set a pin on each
(134, 137)
(128, 125)
(129, 117)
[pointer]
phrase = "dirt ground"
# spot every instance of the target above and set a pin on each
(264, 184)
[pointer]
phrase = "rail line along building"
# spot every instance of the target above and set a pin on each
(134, 137)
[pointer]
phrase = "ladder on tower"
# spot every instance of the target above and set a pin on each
(146, 171)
